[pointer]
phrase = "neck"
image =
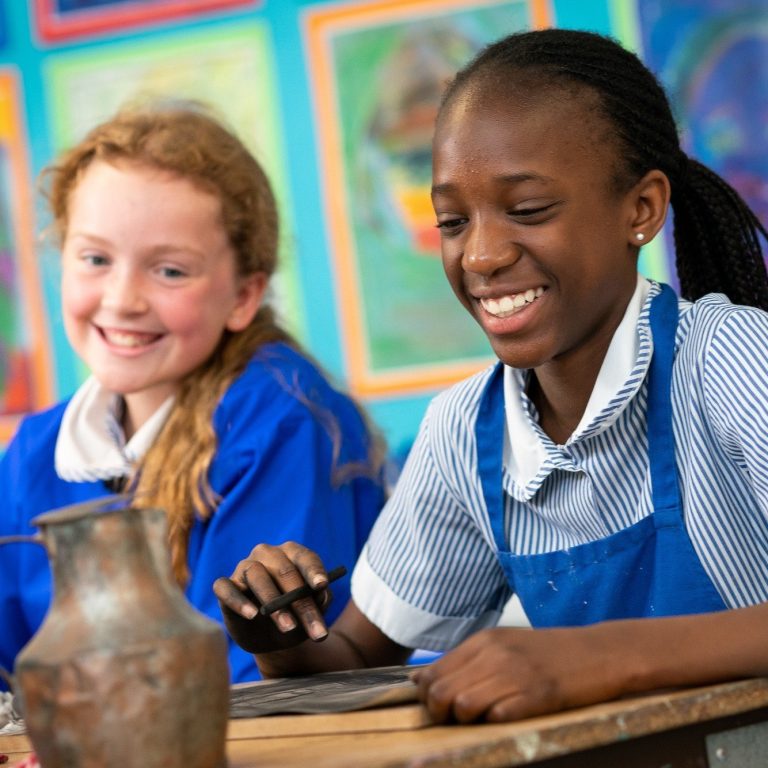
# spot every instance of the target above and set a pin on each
(139, 408)
(128, 424)
(561, 388)
(560, 401)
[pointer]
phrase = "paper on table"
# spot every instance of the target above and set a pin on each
(344, 691)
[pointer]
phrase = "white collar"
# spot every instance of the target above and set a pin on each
(91, 444)
(524, 456)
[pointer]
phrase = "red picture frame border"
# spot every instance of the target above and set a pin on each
(54, 26)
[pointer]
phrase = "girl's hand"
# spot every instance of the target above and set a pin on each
(506, 673)
(265, 574)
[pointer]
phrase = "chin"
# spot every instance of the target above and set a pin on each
(520, 356)
(118, 385)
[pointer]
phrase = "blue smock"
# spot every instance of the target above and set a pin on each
(283, 435)
(647, 569)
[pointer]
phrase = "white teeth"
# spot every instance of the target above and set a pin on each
(120, 339)
(508, 305)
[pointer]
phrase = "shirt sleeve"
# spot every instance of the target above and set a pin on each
(736, 392)
(428, 576)
(274, 472)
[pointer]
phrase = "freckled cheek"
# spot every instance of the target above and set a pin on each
(194, 317)
(78, 301)
(77, 310)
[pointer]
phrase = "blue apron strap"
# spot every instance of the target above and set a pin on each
(489, 428)
(661, 439)
(489, 437)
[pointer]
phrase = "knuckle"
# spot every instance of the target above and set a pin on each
(439, 693)
(305, 607)
(246, 564)
(465, 708)
(429, 674)
(285, 570)
(503, 711)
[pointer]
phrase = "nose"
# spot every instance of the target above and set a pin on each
(488, 246)
(123, 293)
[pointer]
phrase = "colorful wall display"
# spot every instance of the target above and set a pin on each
(337, 98)
(65, 19)
(378, 70)
(25, 382)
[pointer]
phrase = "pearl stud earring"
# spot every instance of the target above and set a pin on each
(640, 236)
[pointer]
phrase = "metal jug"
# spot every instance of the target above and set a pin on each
(123, 671)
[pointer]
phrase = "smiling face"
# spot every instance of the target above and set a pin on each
(535, 238)
(149, 281)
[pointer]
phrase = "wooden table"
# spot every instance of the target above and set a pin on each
(721, 726)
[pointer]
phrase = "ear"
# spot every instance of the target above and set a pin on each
(649, 203)
(250, 294)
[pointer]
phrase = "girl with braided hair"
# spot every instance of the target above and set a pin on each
(198, 402)
(611, 468)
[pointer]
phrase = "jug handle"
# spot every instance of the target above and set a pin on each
(7, 677)
(22, 538)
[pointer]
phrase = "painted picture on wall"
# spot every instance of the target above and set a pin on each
(230, 68)
(377, 72)
(65, 19)
(25, 380)
(712, 56)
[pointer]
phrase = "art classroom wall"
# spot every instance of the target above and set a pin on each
(337, 100)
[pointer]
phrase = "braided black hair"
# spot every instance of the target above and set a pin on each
(717, 235)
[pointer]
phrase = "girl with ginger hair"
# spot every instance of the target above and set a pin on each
(198, 401)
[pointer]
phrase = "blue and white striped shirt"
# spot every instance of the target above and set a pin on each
(429, 575)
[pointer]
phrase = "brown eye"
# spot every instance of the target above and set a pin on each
(529, 211)
(533, 214)
(450, 226)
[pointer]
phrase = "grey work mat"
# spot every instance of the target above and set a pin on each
(325, 692)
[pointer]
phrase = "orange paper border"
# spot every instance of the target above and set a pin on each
(320, 26)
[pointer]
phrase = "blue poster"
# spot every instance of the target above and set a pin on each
(712, 57)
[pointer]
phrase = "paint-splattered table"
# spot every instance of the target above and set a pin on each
(719, 726)
(723, 726)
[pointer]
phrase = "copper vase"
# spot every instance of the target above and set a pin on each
(123, 671)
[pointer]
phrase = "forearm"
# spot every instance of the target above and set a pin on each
(687, 650)
(353, 642)
(333, 653)
(508, 673)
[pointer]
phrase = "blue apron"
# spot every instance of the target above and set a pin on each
(648, 569)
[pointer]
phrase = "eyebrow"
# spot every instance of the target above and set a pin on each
(161, 249)
(82, 234)
(506, 179)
